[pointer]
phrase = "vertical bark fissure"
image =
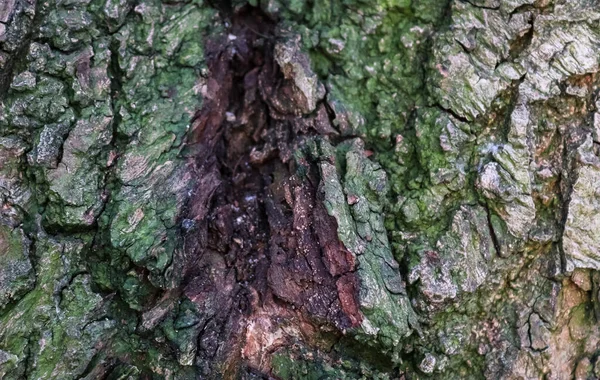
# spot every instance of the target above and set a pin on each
(260, 222)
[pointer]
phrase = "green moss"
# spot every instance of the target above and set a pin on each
(354, 188)
(299, 363)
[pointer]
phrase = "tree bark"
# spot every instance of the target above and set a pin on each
(393, 189)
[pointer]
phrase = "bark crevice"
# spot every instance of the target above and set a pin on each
(264, 248)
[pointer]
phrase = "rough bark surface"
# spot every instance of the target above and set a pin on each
(284, 189)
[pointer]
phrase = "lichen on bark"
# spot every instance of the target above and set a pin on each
(290, 189)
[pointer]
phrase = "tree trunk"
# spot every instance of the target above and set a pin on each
(331, 189)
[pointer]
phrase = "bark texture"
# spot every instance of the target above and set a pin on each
(288, 189)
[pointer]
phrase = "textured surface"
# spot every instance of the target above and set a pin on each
(299, 190)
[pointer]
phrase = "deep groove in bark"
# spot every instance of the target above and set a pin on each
(264, 248)
(492, 232)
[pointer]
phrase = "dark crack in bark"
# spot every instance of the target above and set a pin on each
(266, 266)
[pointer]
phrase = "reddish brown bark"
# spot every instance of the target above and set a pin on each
(268, 264)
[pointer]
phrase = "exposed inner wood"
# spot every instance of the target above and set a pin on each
(268, 255)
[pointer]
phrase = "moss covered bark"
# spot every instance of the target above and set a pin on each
(299, 189)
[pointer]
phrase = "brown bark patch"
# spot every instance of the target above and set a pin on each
(268, 266)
